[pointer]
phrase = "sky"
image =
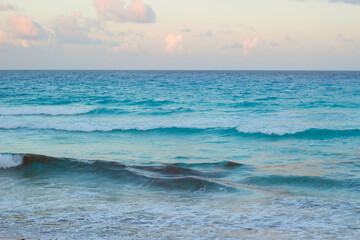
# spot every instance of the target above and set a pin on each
(180, 35)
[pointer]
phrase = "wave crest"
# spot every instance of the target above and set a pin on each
(307, 133)
(10, 160)
(178, 127)
(52, 111)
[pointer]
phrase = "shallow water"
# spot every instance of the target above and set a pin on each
(179, 154)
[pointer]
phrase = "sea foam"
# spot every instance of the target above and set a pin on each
(10, 160)
(46, 110)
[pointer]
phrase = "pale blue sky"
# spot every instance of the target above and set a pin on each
(169, 34)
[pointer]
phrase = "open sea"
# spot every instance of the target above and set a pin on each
(179, 155)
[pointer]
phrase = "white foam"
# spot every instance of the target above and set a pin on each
(270, 130)
(10, 160)
(48, 110)
(90, 125)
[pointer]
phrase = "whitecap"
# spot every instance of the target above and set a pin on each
(10, 160)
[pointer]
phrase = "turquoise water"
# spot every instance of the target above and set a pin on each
(179, 154)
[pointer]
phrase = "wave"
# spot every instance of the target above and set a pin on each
(168, 111)
(53, 111)
(312, 133)
(223, 164)
(61, 111)
(182, 128)
(322, 104)
(207, 177)
(244, 104)
(141, 102)
(151, 102)
(169, 176)
(10, 160)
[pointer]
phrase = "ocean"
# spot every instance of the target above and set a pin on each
(180, 154)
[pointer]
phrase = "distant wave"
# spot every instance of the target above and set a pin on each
(307, 133)
(151, 102)
(140, 102)
(244, 104)
(74, 110)
(53, 110)
(321, 104)
(168, 176)
(181, 128)
(168, 111)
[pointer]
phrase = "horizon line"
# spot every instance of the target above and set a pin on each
(189, 70)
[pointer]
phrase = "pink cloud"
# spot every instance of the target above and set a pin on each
(249, 44)
(118, 11)
(25, 43)
(25, 28)
(173, 43)
(2, 35)
(128, 45)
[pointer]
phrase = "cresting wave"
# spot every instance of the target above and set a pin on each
(168, 176)
(48, 110)
(311, 133)
(75, 110)
(205, 177)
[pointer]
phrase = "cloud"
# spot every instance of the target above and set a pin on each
(249, 44)
(131, 33)
(229, 32)
(173, 43)
(128, 45)
(341, 38)
(75, 29)
(2, 35)
(354, 2)
(8, 7)
(25, 44)
(288, 39)
(234, 45)
(207, 34)
(118, 11)
(25, 28)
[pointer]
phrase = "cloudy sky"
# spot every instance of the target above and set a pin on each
(186, 34)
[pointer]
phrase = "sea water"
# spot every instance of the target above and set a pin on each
(179, 155)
